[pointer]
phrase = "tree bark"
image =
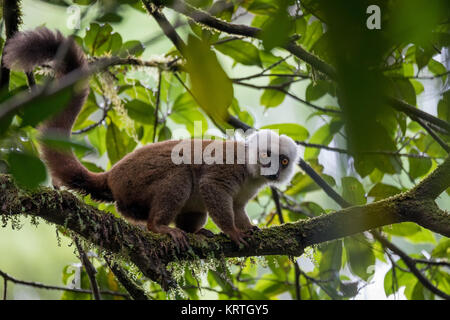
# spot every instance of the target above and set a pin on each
(151, 252)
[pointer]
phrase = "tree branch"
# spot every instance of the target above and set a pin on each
(13, 18)
(90, 269)
(39, 285)
(411, 265)
(151, 252)
(136, 292)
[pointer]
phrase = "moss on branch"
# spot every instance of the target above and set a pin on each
(152, 252)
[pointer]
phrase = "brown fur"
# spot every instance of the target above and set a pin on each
(146, 185)
(28, 49)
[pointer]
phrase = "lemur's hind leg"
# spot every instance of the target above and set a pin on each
(193, 222)
(165, 206)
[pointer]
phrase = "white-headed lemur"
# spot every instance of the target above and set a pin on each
(147, 185)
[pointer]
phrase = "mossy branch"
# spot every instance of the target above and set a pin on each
(152, 252)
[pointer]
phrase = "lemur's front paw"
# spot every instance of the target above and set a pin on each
(205, 232)
(180, 238)
(238, 237)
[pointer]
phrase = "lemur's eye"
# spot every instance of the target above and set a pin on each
(285, 161)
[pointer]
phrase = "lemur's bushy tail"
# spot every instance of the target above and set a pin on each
(29, 49)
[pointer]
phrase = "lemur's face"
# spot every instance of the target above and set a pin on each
(279, 163)
(276, 156)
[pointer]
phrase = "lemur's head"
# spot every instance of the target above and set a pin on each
(271, 156)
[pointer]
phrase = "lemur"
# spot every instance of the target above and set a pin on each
(146, 185)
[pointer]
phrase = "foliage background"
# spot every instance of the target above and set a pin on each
(34, 254)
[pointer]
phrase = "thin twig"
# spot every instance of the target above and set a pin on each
(51, 287)
(15, 103)
(158, 101)
(106, 109)
(298, 295)
(136, 292)
(381, 152)
(433, 262)
(286, 92)
(410, 263)
(433, 134)
(5, 288)
(12, 17)
(90, 269)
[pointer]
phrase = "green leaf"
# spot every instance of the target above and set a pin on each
(423, 56)
(418, 86)
(92, 166)
(263, 7)
(436, 68)
(418, 167)
(427, 144)
(406, 279)
(316, 90)
(269, 286)
(67, 274)
(295, 131)
(43, 107)
(5, 122)
(313, 32)
(302, 182)
(359, 255)
(89, 108)
(100, 39)
(110, 17)
(190, 281)
(271, 97)
(210, 85)
(84, 2)
(423, 236)
(331, 260)
(28, 170)
(381, 191)
(97, 137)
(164, 134)
(241, 51)
(140, 111)
(411, 232)
(223, 283)
(379, 139)
(376, 176)
(269, 60)
(118, 143)
(139, 92)
(132, 47)
(243, 115)
(417, 292)
(63, 143)
(310, 208)
(185, 112)
(254, 295)
(402, 229)
(444, 107)
(276, 30)
(322, 136)
(442, 250)
(353, 191)
(404, 90)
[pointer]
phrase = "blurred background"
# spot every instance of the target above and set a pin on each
(39, 254)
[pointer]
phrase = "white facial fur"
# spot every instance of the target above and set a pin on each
(267, 140)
